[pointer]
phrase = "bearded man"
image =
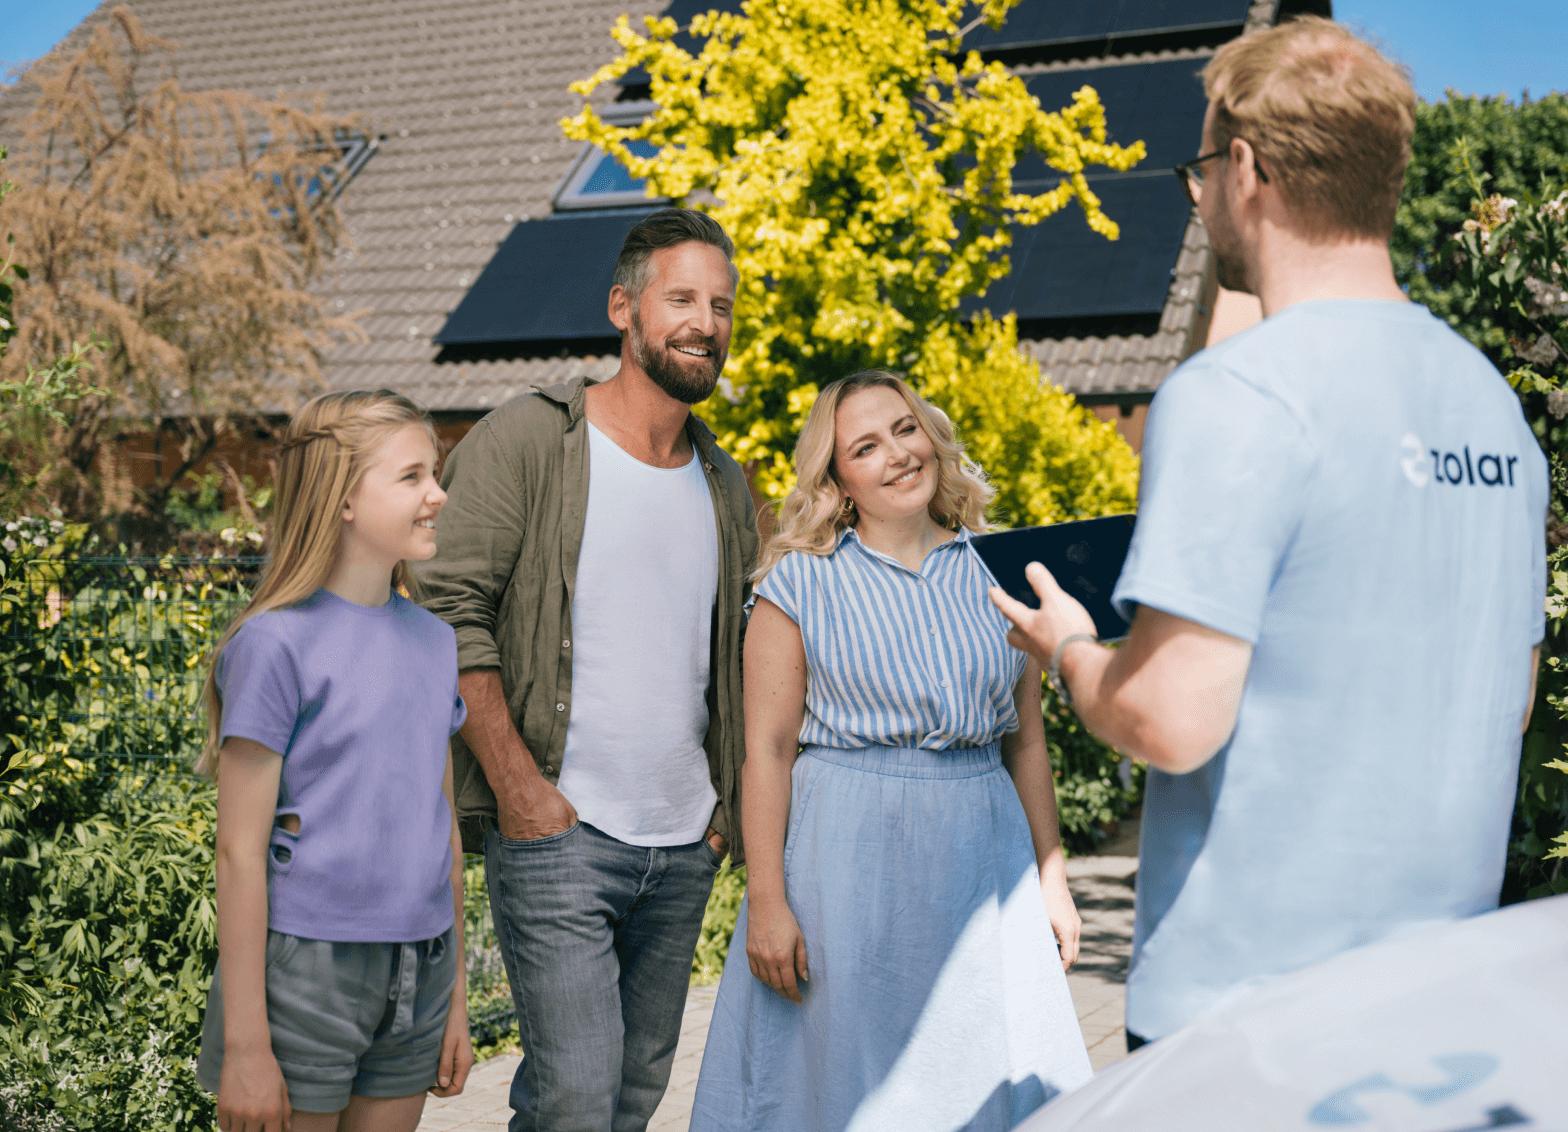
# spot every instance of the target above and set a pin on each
(598, 621)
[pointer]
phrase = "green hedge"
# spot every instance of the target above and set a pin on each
(107, 918)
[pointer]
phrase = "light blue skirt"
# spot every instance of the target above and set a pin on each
(937, 999)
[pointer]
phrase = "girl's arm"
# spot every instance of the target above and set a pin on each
(457, 1054)
(1029, 762)
(775, 693)
(251, 1092)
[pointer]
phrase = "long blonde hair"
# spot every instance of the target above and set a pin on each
(325, 451)
(812, 516)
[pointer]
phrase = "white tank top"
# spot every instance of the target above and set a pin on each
(642, 617)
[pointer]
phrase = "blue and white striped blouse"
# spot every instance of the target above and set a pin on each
(897, 657)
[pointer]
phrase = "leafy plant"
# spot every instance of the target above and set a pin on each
(107, 932)
(1513, 267)
(1517, 146)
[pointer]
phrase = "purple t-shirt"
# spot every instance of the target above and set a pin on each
(360, 702)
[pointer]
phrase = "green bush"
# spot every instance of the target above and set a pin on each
(718, 924)
(109, 943)
(1512, 264)
(1095, 788)
(107, 917)
(1517, 146)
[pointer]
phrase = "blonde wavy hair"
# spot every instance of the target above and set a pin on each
(325, 450)
(812, 516)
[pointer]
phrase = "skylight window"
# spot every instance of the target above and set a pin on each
(342, 158)
(353, 150)
(598, 180)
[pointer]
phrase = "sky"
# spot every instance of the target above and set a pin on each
(1493, 47)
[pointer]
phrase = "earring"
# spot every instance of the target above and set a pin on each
(846, 510)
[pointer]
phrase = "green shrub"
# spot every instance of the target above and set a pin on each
(1095, 788)
(107, 917)
(718, 924)
(1512, 268)
(109, 943)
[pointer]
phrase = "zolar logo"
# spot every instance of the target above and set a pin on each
(1423, 465)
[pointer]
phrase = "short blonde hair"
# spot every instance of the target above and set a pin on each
(812, 516)
(1329, 117)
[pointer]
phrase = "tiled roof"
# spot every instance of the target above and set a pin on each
(466, 95)
(1131, 366)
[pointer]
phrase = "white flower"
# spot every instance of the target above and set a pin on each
(9, 543)
(1540, 352)
(40, 540)
(10, 526)
(1557, 403)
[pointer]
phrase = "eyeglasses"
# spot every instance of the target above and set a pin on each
(1190, 173)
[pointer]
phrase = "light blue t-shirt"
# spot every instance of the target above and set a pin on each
(1352, 488)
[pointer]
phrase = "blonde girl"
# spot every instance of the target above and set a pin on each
(339, 995)
(899, 957)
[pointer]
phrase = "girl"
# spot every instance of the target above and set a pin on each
(905, 871)
(339, 996)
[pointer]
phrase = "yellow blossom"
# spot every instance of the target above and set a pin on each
(865, 170)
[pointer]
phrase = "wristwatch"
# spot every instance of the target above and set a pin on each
(1053, 674)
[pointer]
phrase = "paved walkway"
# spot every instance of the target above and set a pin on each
(1102, 887)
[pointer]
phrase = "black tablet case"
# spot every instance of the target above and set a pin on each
(1086, 558)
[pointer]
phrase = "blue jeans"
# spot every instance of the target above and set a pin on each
(597, 936)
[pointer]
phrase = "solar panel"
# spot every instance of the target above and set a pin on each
(1160, 104)
(681, 11)
(1062, 270)
(548, 282)
(550, 278)
(1040, 23)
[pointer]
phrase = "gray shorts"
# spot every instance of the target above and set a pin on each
(347, 1019)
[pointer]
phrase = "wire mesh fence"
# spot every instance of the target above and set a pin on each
(107, 653)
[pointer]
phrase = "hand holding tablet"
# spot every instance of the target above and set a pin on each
(1085, 558)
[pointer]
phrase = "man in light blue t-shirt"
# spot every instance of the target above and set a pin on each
(1338, 573)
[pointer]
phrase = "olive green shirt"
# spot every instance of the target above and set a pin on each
(503, 578)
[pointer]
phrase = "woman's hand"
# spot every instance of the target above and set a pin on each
(775, 948)
(251, 1094)
(1065, 923)
(457, 1053)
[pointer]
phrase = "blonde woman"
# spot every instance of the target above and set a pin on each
(339, 998)
(899, 959)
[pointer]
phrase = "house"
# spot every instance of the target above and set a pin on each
(481, 240)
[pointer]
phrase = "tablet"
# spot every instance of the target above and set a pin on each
(1086, 558)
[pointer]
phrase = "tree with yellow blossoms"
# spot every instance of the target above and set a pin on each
(863, 164)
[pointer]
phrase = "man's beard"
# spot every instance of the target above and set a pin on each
(1230, 266)
(686, 378)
